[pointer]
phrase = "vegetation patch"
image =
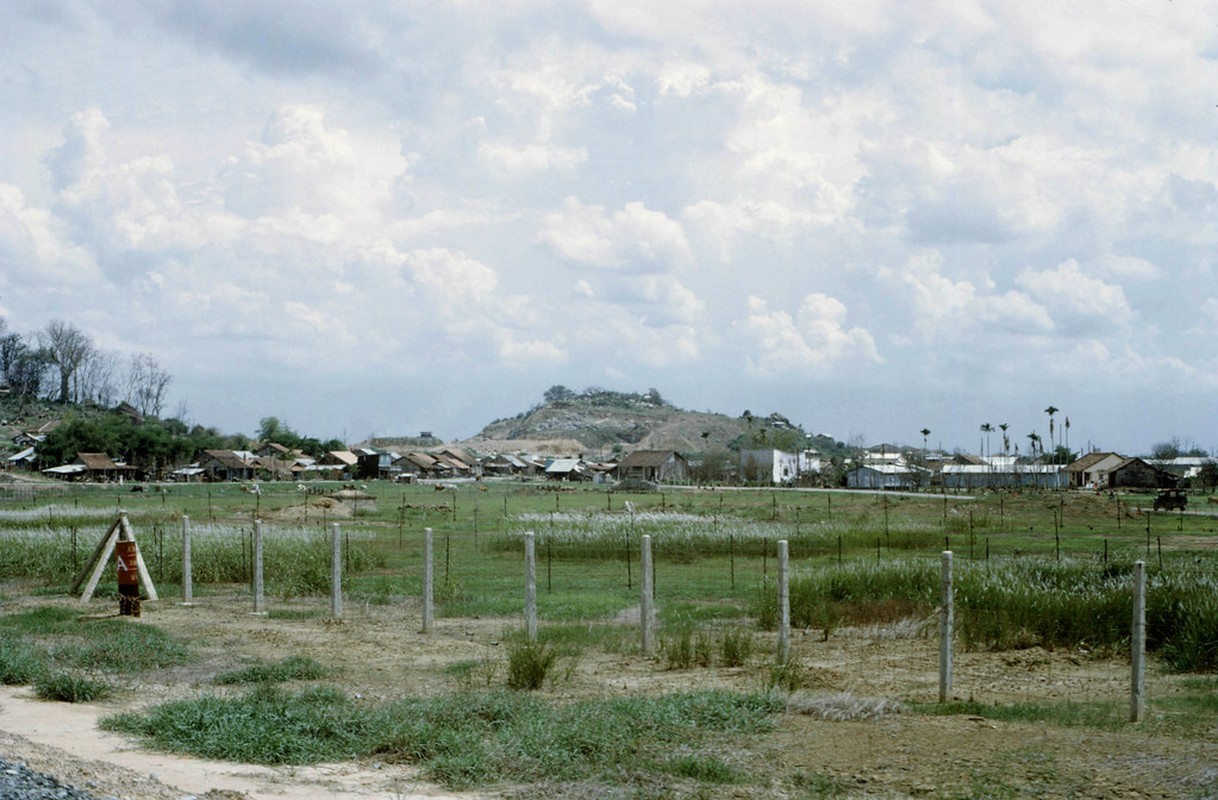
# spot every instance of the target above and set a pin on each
(464, 740)
(1020, 603)
(71, 687)
(51, 647)
(292, 668)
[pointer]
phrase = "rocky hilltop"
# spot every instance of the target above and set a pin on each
(598, 421)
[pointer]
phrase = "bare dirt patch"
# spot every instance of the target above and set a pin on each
(379, 654)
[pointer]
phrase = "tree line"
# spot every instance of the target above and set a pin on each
(62, 364)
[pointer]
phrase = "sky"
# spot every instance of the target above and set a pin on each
(382, 217)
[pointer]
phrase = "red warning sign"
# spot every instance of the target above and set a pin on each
(127, 574)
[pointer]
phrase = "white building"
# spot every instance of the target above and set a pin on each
(778, 466)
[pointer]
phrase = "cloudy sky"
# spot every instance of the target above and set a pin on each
(380, 217)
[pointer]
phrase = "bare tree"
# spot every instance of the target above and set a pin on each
(146, 384)
(24, 368)
(67, 348)
(97, 376)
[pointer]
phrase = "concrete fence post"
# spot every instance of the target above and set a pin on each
(259, 588)
(530, 587)
(646, 612)
(784, 604)
(336, 573)
(1137, 647)
(428, 582)
(188, 592)
(947, 623)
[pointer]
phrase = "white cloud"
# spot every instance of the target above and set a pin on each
(815, 339)
(1077, 300)
(633, 239)
(1024, 198)
(303, 165)
(32, 252)
(946, 310)
(1128, 267)
(81, 154)
(525, 159)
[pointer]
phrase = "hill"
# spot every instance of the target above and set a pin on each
(597, 421)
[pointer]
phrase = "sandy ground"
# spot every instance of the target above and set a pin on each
(382, 655)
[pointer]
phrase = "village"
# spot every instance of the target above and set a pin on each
(882, 467)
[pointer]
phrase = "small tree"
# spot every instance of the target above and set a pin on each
(1208, 475)
(558, 394)
(25, 368)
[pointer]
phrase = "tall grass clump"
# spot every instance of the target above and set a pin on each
(71, 687)
(267, 725)
(296, 561)
(685, 537)
(292, 668)
(58, 638)
(42, 553)
(856, 592)
(1182, 619)
(529, 663)
(1018, 603)
(1052, 604)
(466, 740)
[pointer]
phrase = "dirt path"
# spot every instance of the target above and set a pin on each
(63, 739)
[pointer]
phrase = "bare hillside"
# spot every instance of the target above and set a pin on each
(602, 421)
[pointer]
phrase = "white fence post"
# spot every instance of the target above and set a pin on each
(530, 588)
(429, 609)
(259, 589)
(784, 604)
(947, 624)
(336, 573)
(188, 591)
(1137, 683)
(645, 601)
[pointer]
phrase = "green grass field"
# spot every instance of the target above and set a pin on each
(1033, 569)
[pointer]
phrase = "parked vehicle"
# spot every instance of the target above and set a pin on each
(1171, 498)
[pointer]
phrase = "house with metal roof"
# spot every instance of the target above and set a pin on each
(92, 467)
(228, 465)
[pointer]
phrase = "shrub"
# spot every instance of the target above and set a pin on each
(529, 663)
(679, 650)
(736, 646)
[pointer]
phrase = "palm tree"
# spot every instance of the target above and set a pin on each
(1066, 427)
(987, 429)
(925, 432)
(1051, 410)
(1006, 442)
(1034, 440)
